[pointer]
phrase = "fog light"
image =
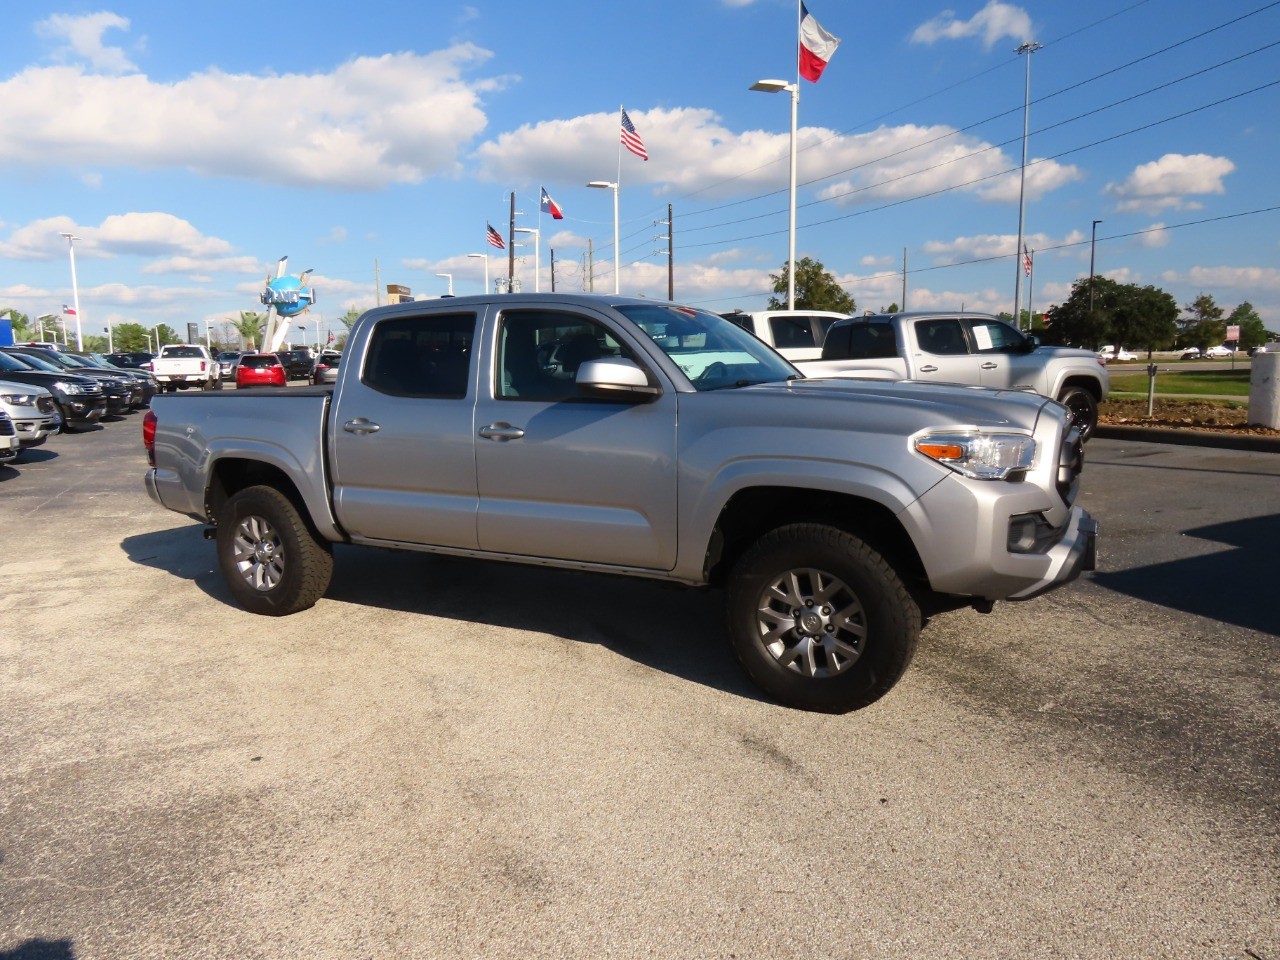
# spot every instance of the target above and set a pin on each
(1022, 533)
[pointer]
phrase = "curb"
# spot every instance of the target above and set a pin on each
(1190, 438)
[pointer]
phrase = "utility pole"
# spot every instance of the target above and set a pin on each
(671, 254)
(591, 266)
(1093, 246)
(511, 244)
(1027, 48)
(553, 269)
(377, 283)
(903, 304)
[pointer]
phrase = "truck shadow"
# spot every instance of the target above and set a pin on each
(1233, 586)
(676, 630)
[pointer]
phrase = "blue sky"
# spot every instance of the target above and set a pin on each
(190, 147)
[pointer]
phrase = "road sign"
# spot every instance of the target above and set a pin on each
(1233, 332)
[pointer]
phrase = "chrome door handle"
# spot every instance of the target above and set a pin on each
(501, 431)
(990, 366)
(361, 426)
(928, 368)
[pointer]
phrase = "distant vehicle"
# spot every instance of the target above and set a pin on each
(796, 334)
(1213, 353)
(9, 447)
(32, 410)
(119, 389)
(183, 365)
(260, 370)
(227, 361)
(133, 360)
(80, 400)
(1111, 353)
(297, 363)
(325, 369)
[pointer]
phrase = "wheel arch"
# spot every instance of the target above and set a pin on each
(752, 512)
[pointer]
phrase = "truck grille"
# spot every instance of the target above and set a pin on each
(6, 428)
(1070, 463)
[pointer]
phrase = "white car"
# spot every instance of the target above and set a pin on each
(1213, 353)
(1111, 353)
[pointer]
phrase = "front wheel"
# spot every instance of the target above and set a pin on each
(820, 620)
(1083, 408)
(273, 562)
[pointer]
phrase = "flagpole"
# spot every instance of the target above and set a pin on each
(617, 256)
(791, 212)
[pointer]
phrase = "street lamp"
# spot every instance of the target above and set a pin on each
(537, 263)
(607, 185)
(41, 319)
(1093, 244)
(485, 257)
(75, 288)
(778, 86)
(449, 277)
(1028, 48)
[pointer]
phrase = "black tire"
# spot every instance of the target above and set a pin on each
(827, 657)
(1084, 409)
(272, 560)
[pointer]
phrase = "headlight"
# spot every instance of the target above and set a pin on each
(19, 399)
(71, 388)
(982, 456)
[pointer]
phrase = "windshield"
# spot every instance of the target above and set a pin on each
(181, 353)
(13, 364)
(40, 363)
(713, 353)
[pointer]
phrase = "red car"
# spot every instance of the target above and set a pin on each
(260, 370)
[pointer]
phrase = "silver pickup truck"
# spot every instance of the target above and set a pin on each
(649, 439)
(969, 348)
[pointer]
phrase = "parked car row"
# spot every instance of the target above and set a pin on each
(44, 390)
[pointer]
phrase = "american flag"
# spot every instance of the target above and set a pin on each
(1026, 261)
(494, 237)
(631, 140)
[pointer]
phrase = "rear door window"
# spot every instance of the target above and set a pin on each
(422, 356)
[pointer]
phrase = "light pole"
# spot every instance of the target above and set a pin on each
(607, 185)
(208, 341)
(1093, 245)
(41, 319)
(485, 257)
(75, 288)
(778, 86)
(1027, 48)
(537, 262)
(449, 277)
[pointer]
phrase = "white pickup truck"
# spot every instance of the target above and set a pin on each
(968, 348)
(182, 365)
(796, 334)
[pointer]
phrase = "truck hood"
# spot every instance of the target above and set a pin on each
(1067, 353)
(911, 405)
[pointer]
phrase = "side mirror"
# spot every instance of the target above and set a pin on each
(1032, 341)
(616, 378)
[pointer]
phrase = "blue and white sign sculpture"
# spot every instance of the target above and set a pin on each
(288, 297)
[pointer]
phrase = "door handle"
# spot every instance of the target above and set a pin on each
(501, 431)
(928, 368)
(361, 426)
(990, 366)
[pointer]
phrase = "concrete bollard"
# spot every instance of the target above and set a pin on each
(1264, 391)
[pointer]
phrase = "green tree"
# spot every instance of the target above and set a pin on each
(131, 337)
(250, 325)
(1143, 318)
(23, 328)
(816, 289)
(1253, 332)
(1074, 322)
(166, 334)
(352, 315)
(1203, 326)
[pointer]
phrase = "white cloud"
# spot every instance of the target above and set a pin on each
(1236, 279)
(692, 151)
(993, 245)
(372, 121)
(1167, 182)
(993, 22)
(131, 234)
(82, 40)
(1155, 236)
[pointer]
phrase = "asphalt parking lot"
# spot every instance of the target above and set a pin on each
(457, 759)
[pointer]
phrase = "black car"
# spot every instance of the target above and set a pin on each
(119, 390)
(80, 400)
(297, 363)
(145, 379)
(132, 361)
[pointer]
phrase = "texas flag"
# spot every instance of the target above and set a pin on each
(550, 206)
(816, 46)
(68, 311)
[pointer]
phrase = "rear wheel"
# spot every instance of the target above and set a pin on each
(819, 619)
(273, 562)
(1083, 407)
